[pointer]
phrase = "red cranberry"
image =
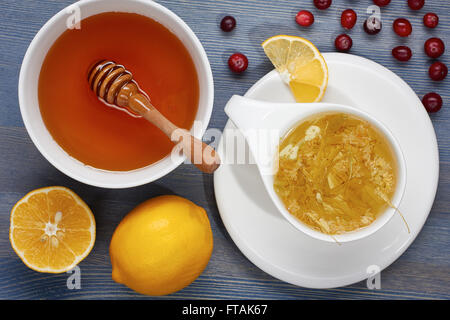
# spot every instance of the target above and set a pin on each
(322, 4)
(402, 27)
(343, 42)
(438, 71)
(416, 4)
(372, 25)
(348, 18)
(381, 3)
(431, 20)
(228, 23)
(432, 102)
(238, 62)
(304, 18)
(402, 53)
(434, 47)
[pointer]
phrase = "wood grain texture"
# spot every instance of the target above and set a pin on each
(422, 272)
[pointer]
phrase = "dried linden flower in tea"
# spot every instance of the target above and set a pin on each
(336, 173)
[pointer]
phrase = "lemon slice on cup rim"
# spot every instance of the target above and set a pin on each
(300, 65)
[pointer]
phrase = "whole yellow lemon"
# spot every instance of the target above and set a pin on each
(161, 246)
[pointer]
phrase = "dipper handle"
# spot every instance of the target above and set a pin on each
(203, 156)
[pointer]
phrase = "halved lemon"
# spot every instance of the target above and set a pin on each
(52, 229)
(300, 65)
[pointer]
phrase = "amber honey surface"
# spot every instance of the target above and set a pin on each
(101, 136)
(336, 173)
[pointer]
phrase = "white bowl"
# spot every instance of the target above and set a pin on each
(28, 92)
(251, 115)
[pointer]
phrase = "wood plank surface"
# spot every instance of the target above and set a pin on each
(422, 272)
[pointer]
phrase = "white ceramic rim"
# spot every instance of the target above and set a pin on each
(117, 179)
(303, 280)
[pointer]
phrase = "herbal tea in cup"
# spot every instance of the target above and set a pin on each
(336, 172)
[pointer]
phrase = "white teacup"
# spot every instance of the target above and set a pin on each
(249, 115)
(28, 91)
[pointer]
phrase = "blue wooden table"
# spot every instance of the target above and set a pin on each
(422, 272)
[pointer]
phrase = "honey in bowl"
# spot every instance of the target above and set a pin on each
(336, 173)
(104, 137)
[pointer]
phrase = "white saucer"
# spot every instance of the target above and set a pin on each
(273, 244)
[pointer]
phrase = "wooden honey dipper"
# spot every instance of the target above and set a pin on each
(115, 85)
